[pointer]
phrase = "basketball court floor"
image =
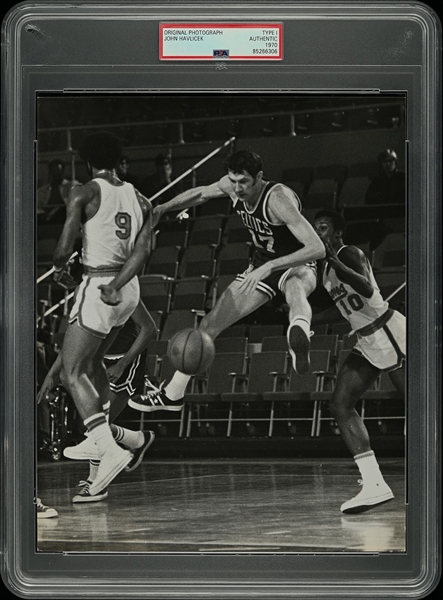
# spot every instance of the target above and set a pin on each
(219, 506)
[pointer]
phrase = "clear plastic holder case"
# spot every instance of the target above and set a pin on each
(325, 50)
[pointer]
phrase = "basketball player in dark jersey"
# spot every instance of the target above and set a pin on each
(285, 247)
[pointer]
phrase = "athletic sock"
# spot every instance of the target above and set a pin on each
(106, 409)
(131, 439)
(93, 468)
(100, 432)
(368, 467)
(303, 322)
(175, 390)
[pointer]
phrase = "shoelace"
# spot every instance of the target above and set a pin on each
(154, 396)
(83, 484)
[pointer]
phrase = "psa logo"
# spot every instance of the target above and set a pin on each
(220, 53)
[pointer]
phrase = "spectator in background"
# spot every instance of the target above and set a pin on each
(123, 171)
(52, 196)
(389, 186)
(159, 179)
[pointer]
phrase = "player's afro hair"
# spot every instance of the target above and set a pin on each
(102, 150)
(244, 160)
(338, 221)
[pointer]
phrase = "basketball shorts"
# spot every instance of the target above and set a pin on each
(274, 284)
(132, 378)
(386, 347)
(96, 317)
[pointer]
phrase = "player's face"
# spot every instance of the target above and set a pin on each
(245, 186)
(324, 229)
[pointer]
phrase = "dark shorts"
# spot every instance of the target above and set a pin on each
(132, 378)
(273, 285)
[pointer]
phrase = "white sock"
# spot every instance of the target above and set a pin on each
(93, 468)
(175, 390)
(100, 433)
(302, 322)
(368, 466)
(131, 439)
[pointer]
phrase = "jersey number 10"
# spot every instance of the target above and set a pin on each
(354, 301)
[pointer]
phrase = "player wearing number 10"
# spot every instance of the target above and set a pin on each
(380, 346)
(116, 231)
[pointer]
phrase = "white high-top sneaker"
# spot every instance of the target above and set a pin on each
(371, 494)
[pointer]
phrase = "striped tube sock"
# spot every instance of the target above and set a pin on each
(131, 439)
(100, 432)
(106, 409)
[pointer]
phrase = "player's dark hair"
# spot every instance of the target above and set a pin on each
(102, 150)
(244, 160)
(338, 221)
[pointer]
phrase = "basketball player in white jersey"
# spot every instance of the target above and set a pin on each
(380, 346)
(115, 221)
(285, 248)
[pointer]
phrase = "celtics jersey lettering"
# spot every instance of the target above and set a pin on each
(270, 241)
(354, 307)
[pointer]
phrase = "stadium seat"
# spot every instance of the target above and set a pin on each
(353, 191)
(231, 344)
(198, 261)
(258, 332)
(234, 258)
(177, 320)
(206, 231)
(247, 405)
(190, 293)
(155, 292)
(224, 375)
(164, 261)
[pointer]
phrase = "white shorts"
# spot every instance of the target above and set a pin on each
(386, 347)
(96, 317)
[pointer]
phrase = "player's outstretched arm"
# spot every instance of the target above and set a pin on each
(192, 197)
(351, 267)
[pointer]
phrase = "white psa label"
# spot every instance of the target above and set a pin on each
(221, 41)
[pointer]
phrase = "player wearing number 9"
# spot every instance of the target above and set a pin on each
(115, 222)
(380, 346)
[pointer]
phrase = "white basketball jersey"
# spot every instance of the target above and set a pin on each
(357, 309)
(109, 236)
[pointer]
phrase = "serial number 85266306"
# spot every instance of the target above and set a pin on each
(265, 51)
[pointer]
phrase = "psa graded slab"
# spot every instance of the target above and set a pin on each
(220, 244)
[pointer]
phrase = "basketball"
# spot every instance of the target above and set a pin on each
(191, 351)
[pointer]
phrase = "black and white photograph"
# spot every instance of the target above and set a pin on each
(221, 323)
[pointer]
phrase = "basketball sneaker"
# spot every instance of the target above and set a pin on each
(138, 453)
(85, 450)
(112, 462)
(85, 496)
(299, 345)
(155, 400)
(44, 512)
(371, 495)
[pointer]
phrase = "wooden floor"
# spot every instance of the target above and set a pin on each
(213, 505)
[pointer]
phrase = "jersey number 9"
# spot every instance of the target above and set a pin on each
(123, 222)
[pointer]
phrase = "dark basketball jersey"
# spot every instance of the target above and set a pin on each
(270, 241)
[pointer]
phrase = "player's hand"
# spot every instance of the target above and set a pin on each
(115, 371)
(252, 279)
(45, 390)
(109, 295)
(67, 281)
(331, 254)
